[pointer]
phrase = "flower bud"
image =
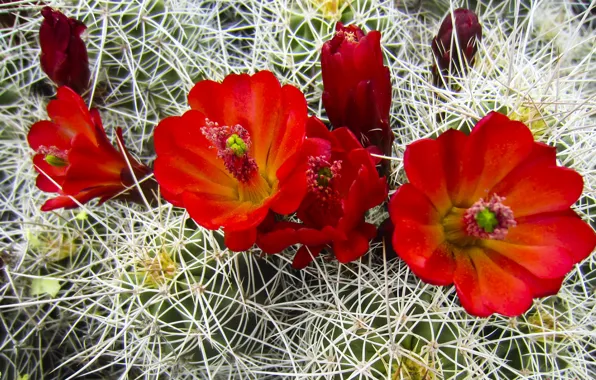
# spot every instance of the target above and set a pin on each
(454, 54)
(63, 52)
(357, 87)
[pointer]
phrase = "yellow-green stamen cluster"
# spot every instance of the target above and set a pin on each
(236, 145)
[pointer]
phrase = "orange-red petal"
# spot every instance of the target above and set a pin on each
(565, 230)
(501, 291)
(540, 189)
(467, 286)
(70, 112)
(409, 203)
(305, 256)
(422, 162)
(493, 149)
(240, 240)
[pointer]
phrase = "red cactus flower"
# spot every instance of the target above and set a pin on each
(357, 87)
(235, 155)
(490, 213)
(343, 185)
(74, 157)
(453, 55)
(63, 52)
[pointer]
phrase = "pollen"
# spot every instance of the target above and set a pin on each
(233, 146)
(53, 156)
(321, 177)
(489, 220)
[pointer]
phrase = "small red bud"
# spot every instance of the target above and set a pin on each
(63, 52)
(450, 49)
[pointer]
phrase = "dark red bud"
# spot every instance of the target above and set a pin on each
(455, 53)
(63, 53)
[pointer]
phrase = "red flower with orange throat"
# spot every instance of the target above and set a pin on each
(357, 87)
(74, 157)
(63, 53)
(235, 155)
(489, 212)
(343, 185)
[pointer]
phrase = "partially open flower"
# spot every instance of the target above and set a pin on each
(63, 52)
(74, 157)
(491, 213)
(357, 87)
(343, 185)
(455, 46)
(234, 156)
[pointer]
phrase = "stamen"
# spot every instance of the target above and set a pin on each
(232, 144)
(349, 36)
(321, 176)
(54, 156)
(489, 220)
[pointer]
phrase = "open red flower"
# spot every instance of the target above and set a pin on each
(74, 157)
(235, 155)
(63, 52)
(343, 185)
(357, 87)
(491, 213)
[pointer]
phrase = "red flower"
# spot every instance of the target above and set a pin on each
(490, 213)
(63, 52)
(449, 51)
(74, 157)
(235, 155)
(343, 186)
(357, 87)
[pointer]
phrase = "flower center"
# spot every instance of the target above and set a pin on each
(321, 175)
(350, 36)
(232, 144)
(489, 220)
(53, 156)
(236, 145)
(484, 220)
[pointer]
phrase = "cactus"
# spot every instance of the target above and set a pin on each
(146, 293)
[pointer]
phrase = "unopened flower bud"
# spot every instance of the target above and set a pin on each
(63, 53)
(455, 52)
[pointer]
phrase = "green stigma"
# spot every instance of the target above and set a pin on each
(236, 145)
(487, 220)
(324, 176)
(55, 161)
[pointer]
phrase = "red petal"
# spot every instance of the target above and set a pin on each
(208, 98)
(539, 189)
(185, 161)
(452, 145)
(290, 194)
(46, 170)
(240, 240)
(71, 114)
(279, 239)
(409, 203)
(438, 268)
(92, 166)
(501, 291)
(494, 148)
(305, 256)
(356, 245)
(422, 162)
(287, 137)
(467, 286)
(564, 230)
(213, 212)
(539, 287)
(544, 261)
(415, 243)
(47, 134)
